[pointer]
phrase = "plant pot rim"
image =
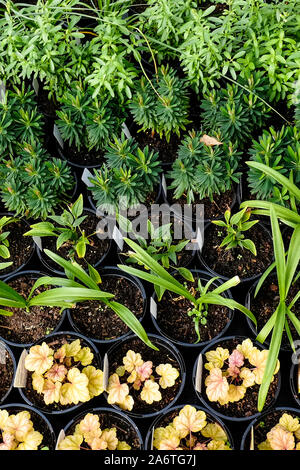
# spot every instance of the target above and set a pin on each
(43, 258)
(11, 354)
(114, 271)
(211, 415)
(262, 415)
(293, 385)
(32, 409)
(105, 409)
(63, 313)
(97, 357)
(206, 275)
(225, 278)
(176, 354)
(202, 396)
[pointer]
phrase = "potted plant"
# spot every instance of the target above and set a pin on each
(205, 171)
(228, 375)
(61, 373)
(101, 429)
(143, 381)
(7, 371)
(227, 251)
(277, 429)
(25, 428)
(188, 428)
(73, 235)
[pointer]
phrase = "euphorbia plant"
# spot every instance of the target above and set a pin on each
(4, 240)
(17, 432)
(190, 430)
(64, 375)
(199, 296)
(231, 373)
(141, 376)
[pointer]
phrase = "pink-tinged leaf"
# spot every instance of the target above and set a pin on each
(216, 385)
(236, 360)
(144, 371)
(280, 439)
(210, 141)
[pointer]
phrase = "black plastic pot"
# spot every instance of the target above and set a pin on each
(35, 275)
(294, 383)
(44, 258)
(202, 396)
(121, 417)
(211, 418)
(225, 278)
(113, 271)
(5, 346)
(23, 266)
(251, 325)
(159, 342)
(204, 276)
(73, 336)
(245, 443)
(36, 415)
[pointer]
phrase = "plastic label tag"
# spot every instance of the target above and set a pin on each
(105, 372)
(21, 373)
(118, 238)
(86, 174)
(126, 131)
(164, 185)
(2, 353)
(60, 438)
(58, 136)
(198, 378)
(38, 242)
(36, 86)
(2, 92)
(153, 308)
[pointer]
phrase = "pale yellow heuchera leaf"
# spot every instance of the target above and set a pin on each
(98, 444)
(122, 445)
(236, 392)
(19, 425)
(51, 391)
(258, 359)
(200, 446)
(214, 431)
(171, 442)
(60, 354)
(150, 392)
(216, 385)
(89, 427)
(245, 348)
(9, 442)
(289, 423)
(95, 380)
(132, 377)
(281, 439)
(217, 445)
(265, 445)
(110, 437)
(37, 382)
(31, 441)
(57, 373)
(132, 360)
(247, 376)
(168, 375)
(297, 434)
(189, 420)
(163, 433)
(298, 446)
(117, 392)
(39, 359)
(71, 442)
(3, 418)
(217, 357)
(84, 356)
(127, 403)
(72, 349)
(76, 390)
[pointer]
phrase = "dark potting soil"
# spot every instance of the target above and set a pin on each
(180, 326)
(37, 399)
(38, 425)
(237, 262)
(169, 417)
(266, 302)
(26, 327)
(108, 420)
(96, 320)
(83, 156)
(94, 251)
(248, 405)
(6, 371)
(20, 247)
(163, 356)
(45, 105)
(263, 427)
(212, 209)
(167, 150)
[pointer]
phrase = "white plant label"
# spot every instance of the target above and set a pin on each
(86, 175)
(153, 308)
(117, 236)
(21, 372)
(105, 372)
(38, 242)
(126, 131)
(58, 136)
(164, 185)
(36, 86)
(2, 353)
(60, 438)
(198, 379)
(2, 92)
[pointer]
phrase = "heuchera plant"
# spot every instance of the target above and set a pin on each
(17, 432)
(285, 435)
(230, 374)
(190, 431)
(140, 376)
(64, 375)
(88, 435)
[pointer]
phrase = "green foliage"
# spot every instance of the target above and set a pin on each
(235, 225)
(280, 151)
(87, 122)
(161, 106)
(203, 170)
(19, 120)
(4, 240)
(128, 176)
(297, 112)
(233, 112)
(33, 183)
(199, 297)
